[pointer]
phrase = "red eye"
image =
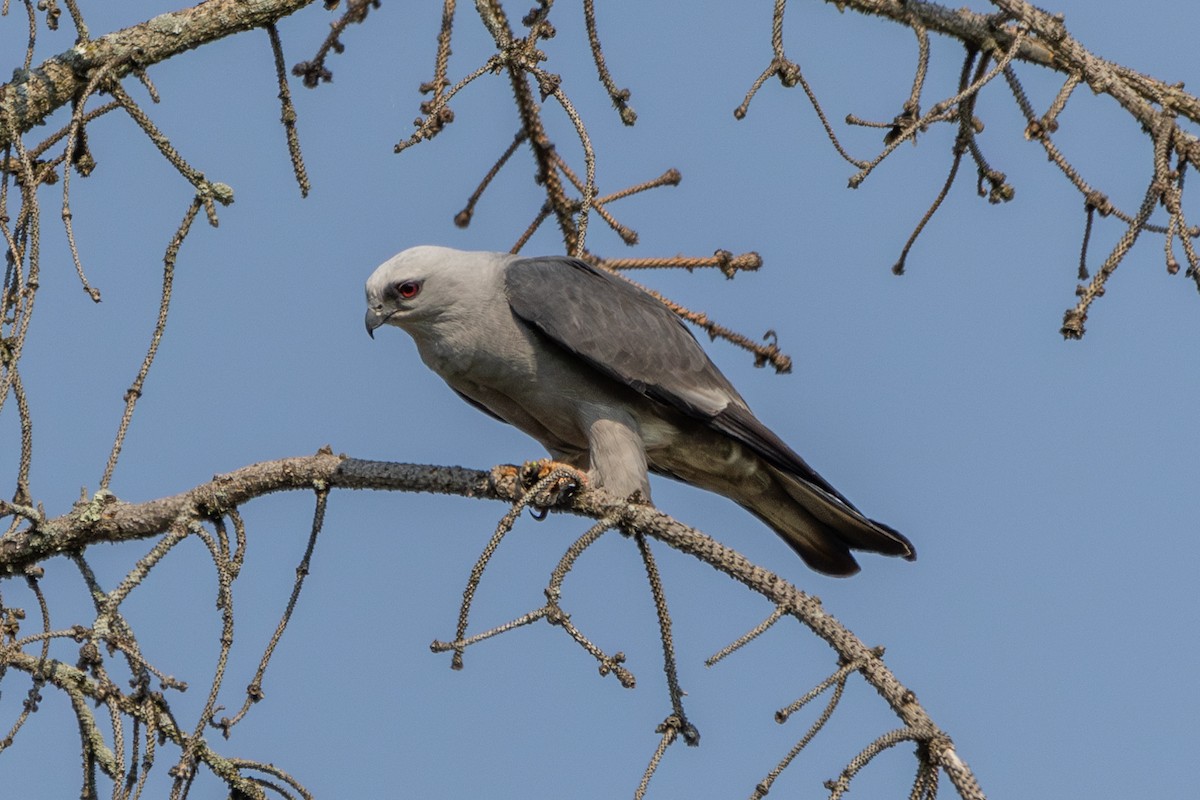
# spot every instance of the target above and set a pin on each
(409, 289)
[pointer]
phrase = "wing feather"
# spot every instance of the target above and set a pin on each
(620, 330)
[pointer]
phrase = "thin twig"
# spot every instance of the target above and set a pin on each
(288, 113)
(135, 391)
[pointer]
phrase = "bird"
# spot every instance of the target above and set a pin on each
(612, 383)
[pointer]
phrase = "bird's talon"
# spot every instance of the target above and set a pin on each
(534, 471)
(565, 481)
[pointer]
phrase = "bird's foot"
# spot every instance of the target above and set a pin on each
(554, 481)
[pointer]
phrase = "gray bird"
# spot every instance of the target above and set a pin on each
(611, 382)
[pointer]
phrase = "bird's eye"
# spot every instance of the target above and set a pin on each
(408, 289)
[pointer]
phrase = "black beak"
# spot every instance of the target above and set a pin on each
(374, 320)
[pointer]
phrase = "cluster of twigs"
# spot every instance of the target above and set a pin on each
(140, 719)
(109, 650)
(548, 485)
(24, 169)
(993, 45)
(211, 511)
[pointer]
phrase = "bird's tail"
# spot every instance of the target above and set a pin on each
(823, 529)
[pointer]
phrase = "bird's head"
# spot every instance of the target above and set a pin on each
(418, 285)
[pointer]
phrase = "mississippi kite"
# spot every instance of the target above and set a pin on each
(611, 382)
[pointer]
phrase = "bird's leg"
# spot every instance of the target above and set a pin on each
(618, 457)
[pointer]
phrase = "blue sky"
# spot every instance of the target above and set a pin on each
(1047, 485)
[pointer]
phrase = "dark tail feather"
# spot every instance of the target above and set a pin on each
(821, 528)
(821, 547)
(816, 520)
(845, 521)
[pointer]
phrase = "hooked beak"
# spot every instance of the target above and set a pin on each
(374, 319)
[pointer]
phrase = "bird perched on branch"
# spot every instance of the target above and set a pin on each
(612, 383)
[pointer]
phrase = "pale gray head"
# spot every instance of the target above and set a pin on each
(423, 283)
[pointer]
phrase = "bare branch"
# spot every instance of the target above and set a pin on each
(34, 94)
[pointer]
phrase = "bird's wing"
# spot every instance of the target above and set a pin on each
(631, 336)
(620, 330)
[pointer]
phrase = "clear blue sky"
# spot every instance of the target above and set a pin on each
(1049, 486)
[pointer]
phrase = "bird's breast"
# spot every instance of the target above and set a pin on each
(482, 351)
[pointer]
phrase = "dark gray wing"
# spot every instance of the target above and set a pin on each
(620, 330)
(631, 336)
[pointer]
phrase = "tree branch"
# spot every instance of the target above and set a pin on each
(106, 519)
(34, 94)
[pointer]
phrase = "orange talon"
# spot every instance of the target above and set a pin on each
(570, 479)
